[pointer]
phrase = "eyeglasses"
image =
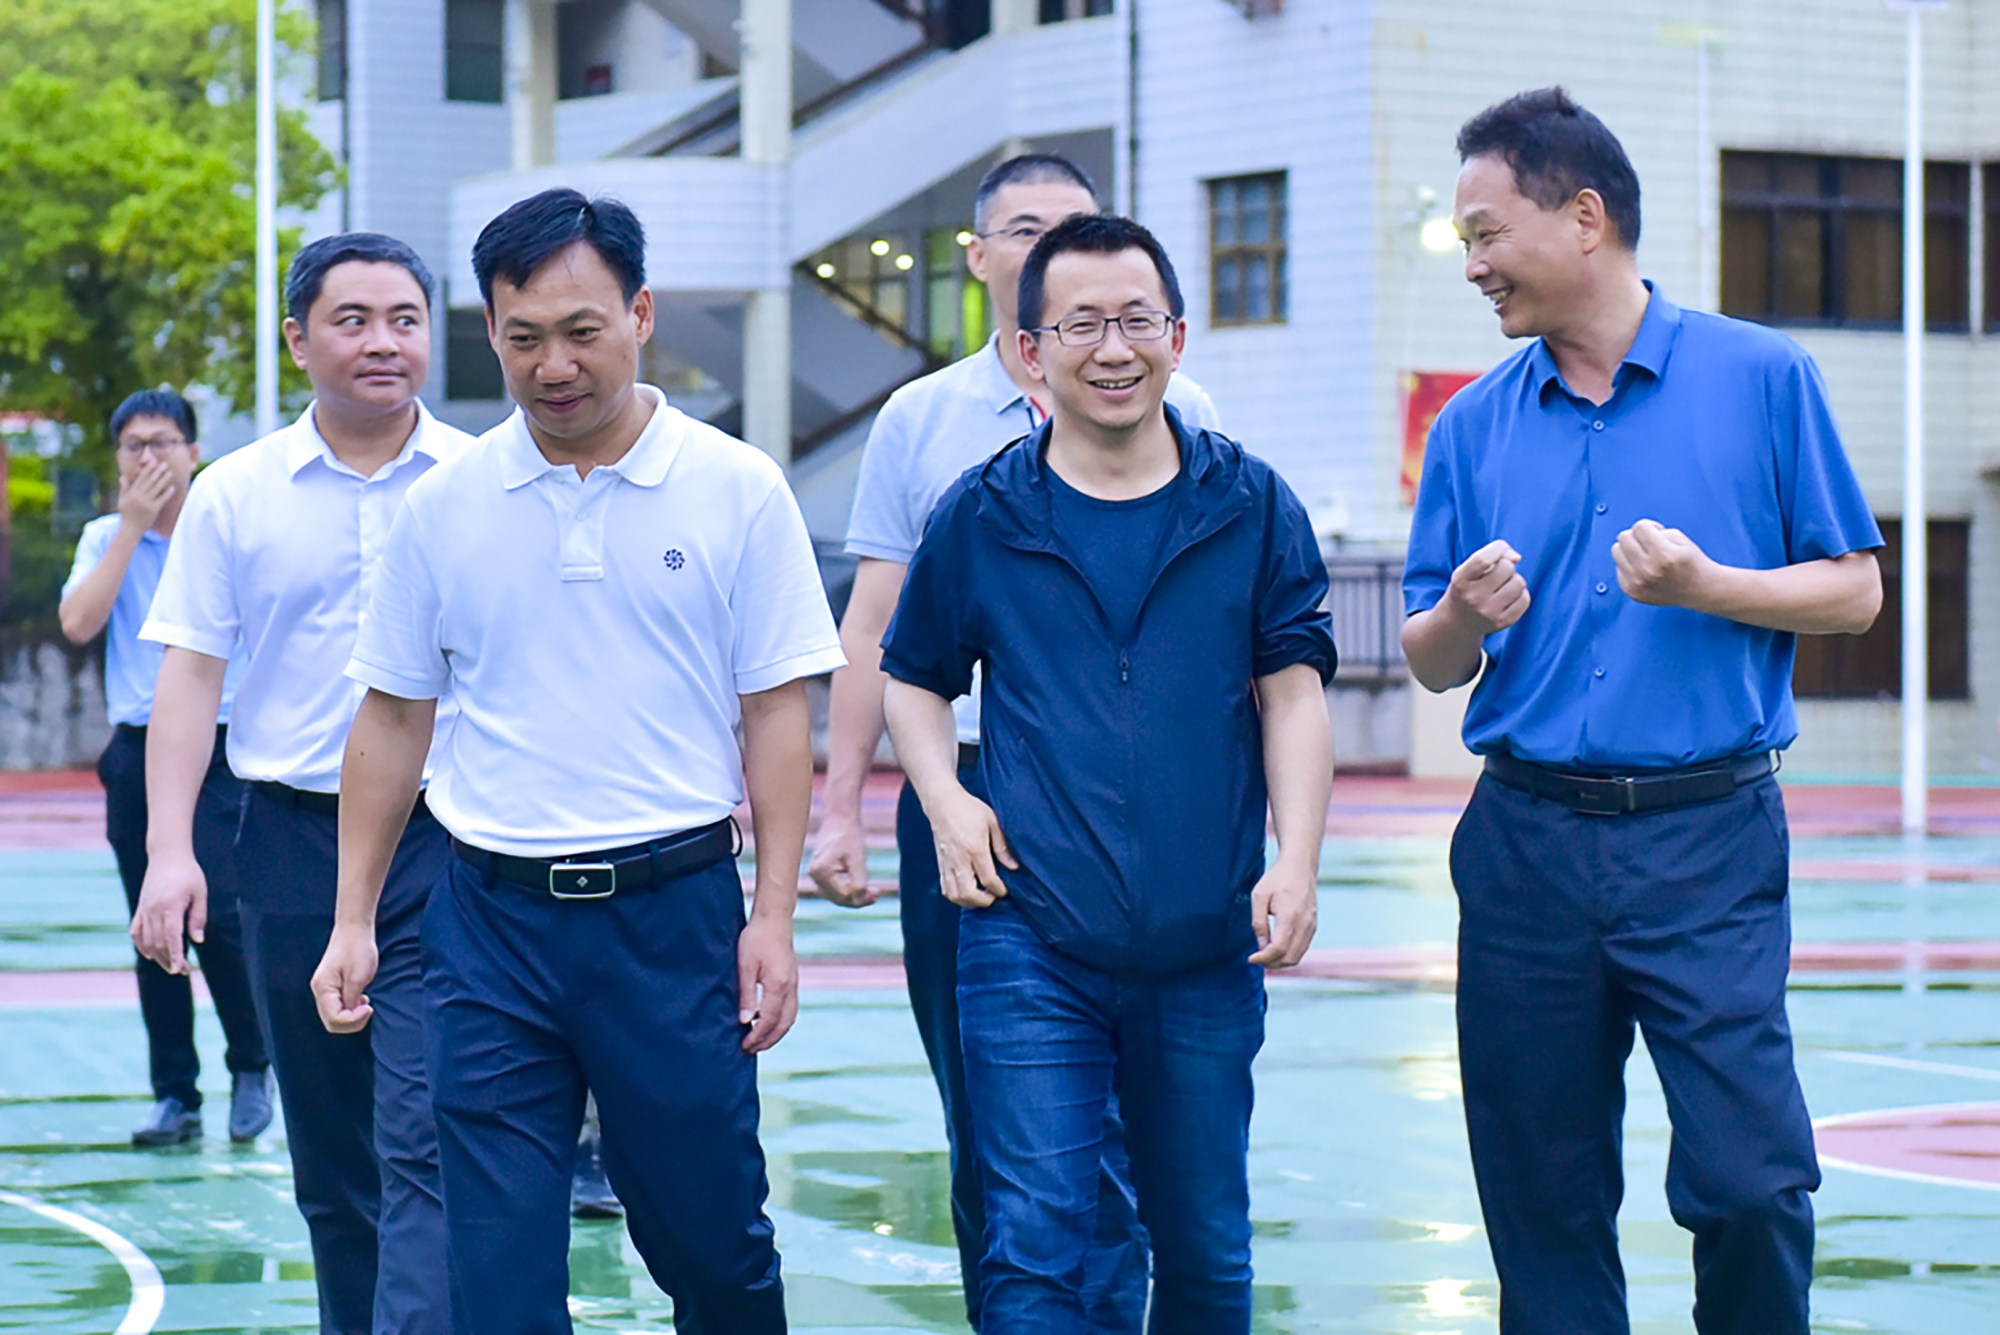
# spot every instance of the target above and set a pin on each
(1027, 234)
(1088, 330)
(160, 445)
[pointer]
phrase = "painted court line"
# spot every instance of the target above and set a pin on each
(1913, 1064)
(1862, 1129)
(149, 1293)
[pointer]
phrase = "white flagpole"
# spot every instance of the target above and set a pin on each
(267, 223)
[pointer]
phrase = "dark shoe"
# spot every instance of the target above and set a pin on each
(170, 1123)
(249, 1105)
(590, 1193)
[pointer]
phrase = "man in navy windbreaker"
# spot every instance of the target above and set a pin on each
(1144, 600)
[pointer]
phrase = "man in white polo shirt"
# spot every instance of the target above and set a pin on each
(279, 546)
(607, 588)
(930, 431)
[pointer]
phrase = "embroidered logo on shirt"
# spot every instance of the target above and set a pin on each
(674, 558)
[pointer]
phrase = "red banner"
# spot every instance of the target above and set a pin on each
(1425, 394)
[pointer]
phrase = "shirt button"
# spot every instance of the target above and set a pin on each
(1602, 587)
(1601, 507)
(1597, 426)
(1597, 672)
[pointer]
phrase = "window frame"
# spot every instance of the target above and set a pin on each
(1835, 211)
(1274, 251)
(1869, 666)
(461, 41)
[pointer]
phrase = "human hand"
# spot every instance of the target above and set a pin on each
(1487, 592)
(767, 981)
(340, 983)
(839, 865)
(1660, 565)
(142, 496)
(1284, 913)
(969, 845)
(173, 909)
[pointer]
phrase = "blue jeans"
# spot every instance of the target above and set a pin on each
(1048, 1043)
(1115, 1275)
(1572, 930)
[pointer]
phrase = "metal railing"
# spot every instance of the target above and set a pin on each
(1366, 604)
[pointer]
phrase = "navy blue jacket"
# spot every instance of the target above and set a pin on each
(1127, 774)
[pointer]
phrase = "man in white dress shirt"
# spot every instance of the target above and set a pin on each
(607, 588)
(278, 547)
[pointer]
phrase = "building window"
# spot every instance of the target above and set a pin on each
(471, 371)
(1246, 250)
(1056, 11)
(1819, 241)
(1991, 183)
(1870, 666)
(474, 53)
(332, 50)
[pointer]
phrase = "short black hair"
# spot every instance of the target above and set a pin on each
(1094, 234)
(521, 240)
(1027, 169)
(1556, 148)
(162, 402)
(311, 265)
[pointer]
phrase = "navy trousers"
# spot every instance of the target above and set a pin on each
(166, 1000)
(1116, 1275)
(1572, 929)
(357, 1106)
(634, 998)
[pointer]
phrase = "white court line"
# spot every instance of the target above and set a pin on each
(1912, 1064)
(1839, 1119)
(149, 1294)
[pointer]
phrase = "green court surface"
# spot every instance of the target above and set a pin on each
(1365, 1213)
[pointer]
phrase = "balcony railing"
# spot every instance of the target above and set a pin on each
(1366, 603)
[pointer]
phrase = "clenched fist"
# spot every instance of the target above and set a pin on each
(1660, 565)
(1487, 589)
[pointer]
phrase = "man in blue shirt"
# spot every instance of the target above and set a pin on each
(118, 562)
(1627, 522)
(1143, 601)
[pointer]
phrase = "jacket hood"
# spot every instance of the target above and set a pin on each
(1014, 495)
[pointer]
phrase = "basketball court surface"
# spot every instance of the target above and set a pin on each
(1362, 1194)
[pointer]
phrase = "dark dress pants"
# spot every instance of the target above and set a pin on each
(1572, 929)
(166, 1000)
(633, 998)
(357, 1106)
(1116, 1275)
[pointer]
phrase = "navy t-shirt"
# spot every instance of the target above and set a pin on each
(1114, 544)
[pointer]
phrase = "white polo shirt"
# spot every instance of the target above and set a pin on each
(596, 631)
(280, 543)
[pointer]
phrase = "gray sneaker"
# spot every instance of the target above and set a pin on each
(170, 1123)
(249, 1105)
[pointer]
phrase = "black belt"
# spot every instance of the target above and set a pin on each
(320, 804)
(968, 754)
(604, 873)
(1618, 794)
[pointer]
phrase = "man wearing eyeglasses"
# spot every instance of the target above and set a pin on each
(930, 431)
(1143, 598)
(119, 558)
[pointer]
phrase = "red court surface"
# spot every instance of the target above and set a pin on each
(1955, 1143)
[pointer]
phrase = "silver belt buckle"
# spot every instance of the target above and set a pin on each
(583, 880)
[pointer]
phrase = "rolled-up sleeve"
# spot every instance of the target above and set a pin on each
(399, 649)
(1292, 623)
(195, 606)
(783, 627)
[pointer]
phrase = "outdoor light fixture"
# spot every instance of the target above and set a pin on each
(1438, 234)
(825, 270)
(963, 238)
(878, 247)
(905, 262)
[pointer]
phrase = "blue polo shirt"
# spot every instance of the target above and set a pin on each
(1716, 427)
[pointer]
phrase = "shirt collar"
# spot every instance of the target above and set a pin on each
(644, 465)
(996, 388)
(304, 443)
(1651, 349)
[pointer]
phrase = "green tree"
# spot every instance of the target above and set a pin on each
(127, 214)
